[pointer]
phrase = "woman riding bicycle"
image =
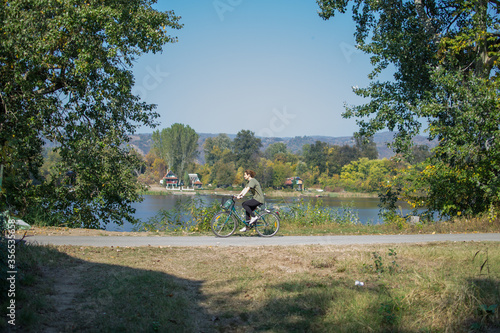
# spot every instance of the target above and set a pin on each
(257, 197)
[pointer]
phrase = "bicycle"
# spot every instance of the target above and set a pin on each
(225, 222)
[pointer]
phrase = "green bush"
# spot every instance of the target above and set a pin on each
(317, 214)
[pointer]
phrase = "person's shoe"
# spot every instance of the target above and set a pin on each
(253, 220)
(244, 229)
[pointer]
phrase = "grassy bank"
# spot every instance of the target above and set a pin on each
(157, 190)
(302, 227)
(452, 287)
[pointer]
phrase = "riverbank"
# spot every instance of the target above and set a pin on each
(160, 190)
(454, 226)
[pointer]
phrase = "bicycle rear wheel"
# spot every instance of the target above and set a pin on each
(223, 224)
(268, 225)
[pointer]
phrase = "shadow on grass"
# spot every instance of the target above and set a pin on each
(57, 292)
(486, 316)
(313, 307)
(60, 293)
(339, 306)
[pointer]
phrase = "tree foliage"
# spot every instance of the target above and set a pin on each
(65, 76)
(246, 148)
(314, 155)
(445, 56)
(215, 148)
(274, 149)
(331, 159)
(365, 175)
(177, 145)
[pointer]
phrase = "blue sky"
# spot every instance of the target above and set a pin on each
(273, 67)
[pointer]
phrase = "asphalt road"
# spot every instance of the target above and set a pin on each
(251, 240)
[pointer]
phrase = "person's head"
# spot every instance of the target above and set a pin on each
(249, 173)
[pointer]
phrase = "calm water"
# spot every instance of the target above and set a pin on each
(366, 208)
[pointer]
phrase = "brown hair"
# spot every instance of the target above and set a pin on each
(251, 173)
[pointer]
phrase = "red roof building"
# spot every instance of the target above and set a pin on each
(294, 182)
(170, 179)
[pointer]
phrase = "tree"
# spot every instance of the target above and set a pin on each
(214, 148)
(159, 146)
(203, 171)
(315, 155)
(399, 33)
(50, 160)
(265, 172)
(420, 153)
(239, 177)
(365, 175)
(246, 148)
(281, 171)
(367, 147)
(338, 156)
(446, 56)
(300, 168)
(179, 144)
(141, 168)
(65, 76)
(224, 173)
(274, 149)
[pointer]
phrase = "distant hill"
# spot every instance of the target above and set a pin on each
(142, 142)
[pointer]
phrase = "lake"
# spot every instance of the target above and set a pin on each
(366, 208)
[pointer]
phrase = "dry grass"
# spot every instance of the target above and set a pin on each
(435, 287)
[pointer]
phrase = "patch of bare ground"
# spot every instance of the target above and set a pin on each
(66, 309)
(63, 231)
(156, 188)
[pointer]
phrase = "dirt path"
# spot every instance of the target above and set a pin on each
(66, 286)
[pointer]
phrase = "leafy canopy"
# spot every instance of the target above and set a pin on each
(65, 78)
(445, 56)
(246, 148)
(177, 145)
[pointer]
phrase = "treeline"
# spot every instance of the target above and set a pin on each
(323, 165)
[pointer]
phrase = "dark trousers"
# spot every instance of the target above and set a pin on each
(250, 206)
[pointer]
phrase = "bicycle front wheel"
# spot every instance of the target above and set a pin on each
(268, 225)
(223, 224)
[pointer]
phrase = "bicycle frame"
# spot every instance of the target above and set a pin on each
(234, 212)
(229, 217)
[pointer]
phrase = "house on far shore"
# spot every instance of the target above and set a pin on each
(195, 180)
(170, 180)
(294, 183)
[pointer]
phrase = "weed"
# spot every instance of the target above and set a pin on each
(378, 263)
(391, 311)
(484, 289)
(485, 262)
(489, 309)
(393, 267)
(391, 218)
(316, 213)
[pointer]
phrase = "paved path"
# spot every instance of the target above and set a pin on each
(250, 240)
